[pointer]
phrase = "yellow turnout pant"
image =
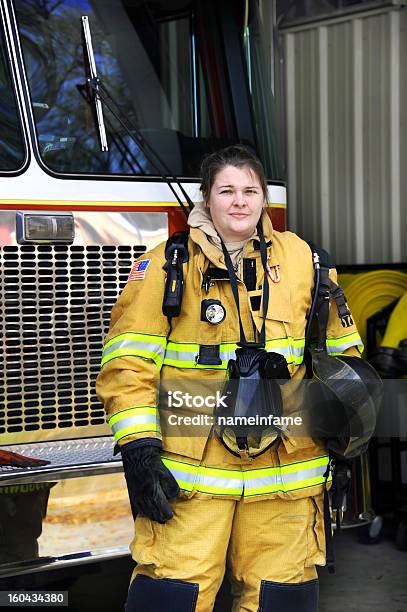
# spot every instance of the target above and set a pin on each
(273, 539)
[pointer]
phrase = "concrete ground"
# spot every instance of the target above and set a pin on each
(368, 578)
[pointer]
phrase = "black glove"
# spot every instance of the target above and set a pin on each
(150, 484)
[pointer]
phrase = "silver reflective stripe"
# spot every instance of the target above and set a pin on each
(141, 419)
(340, 348)
(226, 355)
(282, 350)
(184, 476)
(305, 474)
(220, 483)
(135, 345)
(264, 485)
(263, 481)
(175, 355)
(291, 352)
(191, 356)
(205, 480)
(180, 355)
(298, 351)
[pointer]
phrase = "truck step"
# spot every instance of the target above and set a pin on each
(66, 459)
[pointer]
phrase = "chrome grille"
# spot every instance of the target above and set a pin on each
(56, 303)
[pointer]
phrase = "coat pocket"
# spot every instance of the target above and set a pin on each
(279, 304)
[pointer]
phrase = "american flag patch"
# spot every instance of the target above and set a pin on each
(138, 270)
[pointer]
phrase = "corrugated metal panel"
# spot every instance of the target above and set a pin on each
(346, 115)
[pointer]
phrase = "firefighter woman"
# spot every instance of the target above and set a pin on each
(212, 500)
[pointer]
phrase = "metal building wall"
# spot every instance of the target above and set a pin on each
(346, 114)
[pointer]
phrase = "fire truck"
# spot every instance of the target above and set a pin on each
(106, 110)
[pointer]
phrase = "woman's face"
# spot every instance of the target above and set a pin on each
(235, 203)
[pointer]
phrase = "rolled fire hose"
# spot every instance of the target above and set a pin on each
(390, 359)
(346, 279)
(396, 329)
(370, 292)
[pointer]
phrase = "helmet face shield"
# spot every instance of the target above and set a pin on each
(343, 399)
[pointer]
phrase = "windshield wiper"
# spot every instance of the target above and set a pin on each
(92, 76)
(127, 155)
(102, 95)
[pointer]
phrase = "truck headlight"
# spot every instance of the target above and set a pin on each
(43, 227)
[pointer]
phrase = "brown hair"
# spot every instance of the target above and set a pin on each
(235, 155)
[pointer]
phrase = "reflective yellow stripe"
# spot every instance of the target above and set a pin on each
(339, 344)
(306, 483)
(292, 468)
(251, 482)
(185, 355)
(213, 481)
(287, 478)
(136, 420)
(132, 344)
(130, 412)
(138, 429)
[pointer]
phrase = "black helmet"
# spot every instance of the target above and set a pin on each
(344, 399)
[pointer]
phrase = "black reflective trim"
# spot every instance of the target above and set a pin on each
(288, 596)
(164, 595)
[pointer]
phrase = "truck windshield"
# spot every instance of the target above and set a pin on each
(169, 66)
(12, 153)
